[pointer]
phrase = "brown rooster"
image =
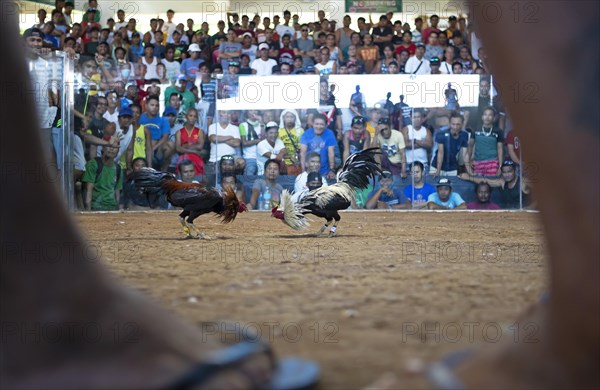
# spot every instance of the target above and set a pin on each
(195, 199)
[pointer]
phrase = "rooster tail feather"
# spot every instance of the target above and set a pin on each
(151, 181)
(231, 205)
(359, 168)
(293, 213)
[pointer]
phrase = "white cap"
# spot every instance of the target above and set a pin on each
(194, 47)
(247, 34)
(263, 46)
(271, 124)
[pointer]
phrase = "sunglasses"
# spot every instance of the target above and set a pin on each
(229, 157)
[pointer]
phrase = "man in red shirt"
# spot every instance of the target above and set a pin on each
(434, 23)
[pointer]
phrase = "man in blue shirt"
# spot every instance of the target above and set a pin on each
(444, 198)
(449, 144)
(417, 198)
(386, 196)
(159, 129)
(321, 140)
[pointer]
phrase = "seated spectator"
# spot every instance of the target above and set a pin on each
(508, 185)
(159, 129)
(382, 66)
(251, 133)
(433, 48)
(290, 131)
(229, 50)
(231, 181)
(357, 138)
(483, 192)
(245, 64)
(417, 64)
(248, 48)
(384, 196)
(224, 139)
(391, 143)
(312, 181)
(286, 51)
(406, 44)
(263, 66)
(444, 198)
(417, 193)
(434, 65)
(271, 148)
(326, 65)
(189, 142)
(313, 164)
(186, 172)
(271, 170)
(103, 181)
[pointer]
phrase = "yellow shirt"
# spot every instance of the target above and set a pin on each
(393, 147)
(289, 145)
(371, 130)
(139, 145)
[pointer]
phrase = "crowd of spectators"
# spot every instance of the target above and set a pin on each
(123, 68)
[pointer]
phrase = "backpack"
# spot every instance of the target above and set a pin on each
(101, 167)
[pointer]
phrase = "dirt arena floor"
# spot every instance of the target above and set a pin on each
(393, 292)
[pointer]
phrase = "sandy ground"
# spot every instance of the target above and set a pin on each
(392, 292)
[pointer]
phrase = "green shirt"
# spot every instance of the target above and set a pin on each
(103, 195)
(189, 101)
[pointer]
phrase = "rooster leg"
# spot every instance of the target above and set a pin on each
(186, 229)
(323, 228)
(199, 234)
(334, 227)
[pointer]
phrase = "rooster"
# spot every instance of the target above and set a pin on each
(325, 202)
(195, 199)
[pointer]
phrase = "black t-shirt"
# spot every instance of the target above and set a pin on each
(382, 32)
(509, 197)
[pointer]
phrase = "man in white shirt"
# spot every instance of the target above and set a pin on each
(271, 148)
(224, 138)
(417, 64)
(263, 66)
(313, 164)
(169, 27)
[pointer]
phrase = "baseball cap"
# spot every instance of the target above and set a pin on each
(385, 175)
(420, 45)
(434, 61)
(314, 176)
(358, 120)
(234, 63)
(272, 124)
(194, 47)
(444, 182)
(32, 32)
(247, 34)
(131, 84)
(125, 111)
(169, 111)
(263, 46)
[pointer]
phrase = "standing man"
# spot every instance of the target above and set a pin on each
(391, 143)
(486, 146)
(450, 143)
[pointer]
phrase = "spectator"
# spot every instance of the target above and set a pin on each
(313, 165)
(433, 48)
(290, 132)
(417, 64)
(271, 173)
(263, 66)
(103, 180)
(304, 46)
(384, 196)
(383, 64)
(180, 46)
(509, 186)
(245, 64)
(208, 88)
(382, 34)
(251, 133)
(272, 42)
(230, 181)
(271, 148)
(321, 140)
(513, 145)
(449, 58)
(248, 48)
(150, 62)
(483, 193)
(325, 66)
(451, 144)
(369, 53)
(434, 20)
(224, 138)
(312, 181)
(457, 68)
(391, 143)
(444, 198)
(417, 193)
(417, 34)
(136, 50)
(286, 51)
(186, 172)
(357, 138)
(466, 60)
(418, 140)
(190, 66)
(486, 146)
(189, 142)
(285, 28)
(141, 143)
(406, 44)
(158, 127)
